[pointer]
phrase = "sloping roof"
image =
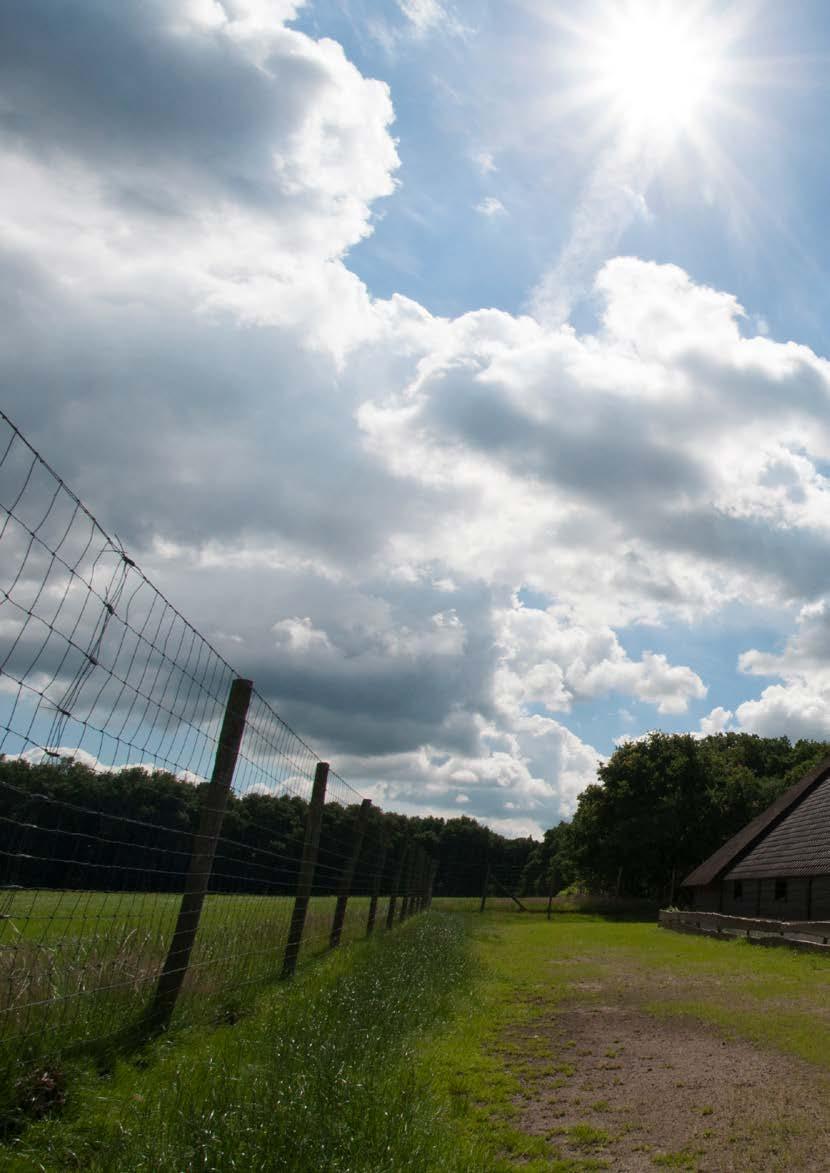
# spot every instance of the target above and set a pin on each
(740, 845)
(799, 845)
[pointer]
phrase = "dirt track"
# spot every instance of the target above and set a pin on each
(608, 1082)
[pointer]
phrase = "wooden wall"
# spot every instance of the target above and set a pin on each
(806, 899)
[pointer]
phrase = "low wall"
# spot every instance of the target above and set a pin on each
(813, 935)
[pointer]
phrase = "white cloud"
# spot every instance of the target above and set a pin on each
(485, 162)
(354, 489)
(81, 757)
(718, 721)
(794, 710)
(490, 206)
(637, 459)
(427, 16)
(246, 173)
(800, 707)
(552, 659)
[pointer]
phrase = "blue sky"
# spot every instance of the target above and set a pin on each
(460, 370)
(453, 94)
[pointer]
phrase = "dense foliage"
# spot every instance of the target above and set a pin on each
(67, 826)
(661, 806)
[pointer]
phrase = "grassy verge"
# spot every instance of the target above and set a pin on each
(323, 1077)
(441, 1047)
(78, 968)
(503, 1057)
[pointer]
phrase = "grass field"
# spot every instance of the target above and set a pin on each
(466, 1043)
(79, 967)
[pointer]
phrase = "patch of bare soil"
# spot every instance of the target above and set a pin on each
(614, 1085)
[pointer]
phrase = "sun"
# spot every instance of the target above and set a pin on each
(656, 66)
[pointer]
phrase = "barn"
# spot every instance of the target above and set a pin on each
(777, 866)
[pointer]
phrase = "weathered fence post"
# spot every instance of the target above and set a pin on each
(407, 868)
(396, 887)
(407, 883)
(485, 885)
(409, 887)
(347, 875)
(419, 882)
(305, 879)
(550, 900)
(214, 801)
(376, 885)
(423, 881)
(433, 869)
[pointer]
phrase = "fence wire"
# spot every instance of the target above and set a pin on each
(111, 706)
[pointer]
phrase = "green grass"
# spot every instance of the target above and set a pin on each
(78, 968)
(323, 1077)
(420, 1050)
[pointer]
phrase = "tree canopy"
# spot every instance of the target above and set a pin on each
(662, 805)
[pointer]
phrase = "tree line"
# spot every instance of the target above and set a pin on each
(65, 825)
(662, 805)
(659, 807)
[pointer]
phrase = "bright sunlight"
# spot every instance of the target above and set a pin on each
(656, 66)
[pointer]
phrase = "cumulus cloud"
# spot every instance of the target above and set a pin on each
(652, 439)
(718, 721)
(800, 706)
(552, 659)
(347, 493)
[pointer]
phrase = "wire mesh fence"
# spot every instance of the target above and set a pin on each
(160, 825)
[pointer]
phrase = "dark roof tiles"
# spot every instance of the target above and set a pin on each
(777, 816)
(798, 846)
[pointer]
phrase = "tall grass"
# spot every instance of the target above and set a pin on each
(78, 968)
(322, 1078)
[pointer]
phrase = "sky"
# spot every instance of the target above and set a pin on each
(458, 369)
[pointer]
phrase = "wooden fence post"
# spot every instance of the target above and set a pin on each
(347, 876)
(305, 879)
(376, 885)
(423, 880)
(407, 883)
(212, 812)
(396, 887)
(485, 886)
(416, 881)
(433, 869)
(419, 882)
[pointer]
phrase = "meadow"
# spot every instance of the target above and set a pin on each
(78, 968)
(466, 1042)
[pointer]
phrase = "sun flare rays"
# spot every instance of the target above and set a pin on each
(652, 85)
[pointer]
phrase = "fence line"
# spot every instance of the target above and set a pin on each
(167, 841)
